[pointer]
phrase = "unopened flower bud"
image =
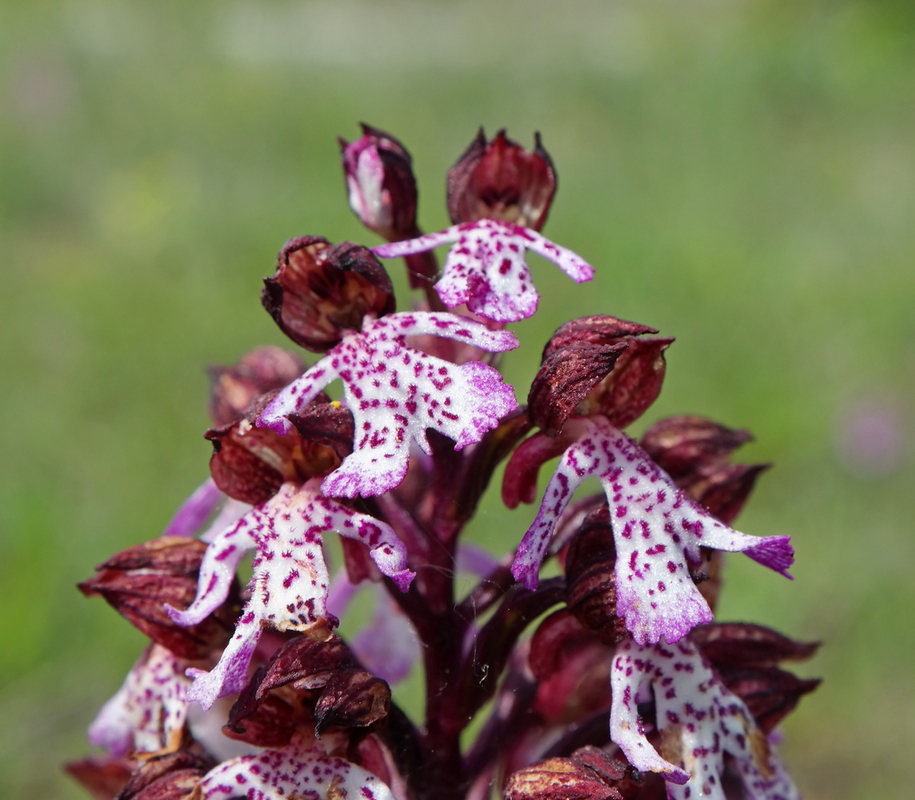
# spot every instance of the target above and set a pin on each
(597, 365)
(102, 776)
(328, 424)
(744, 644)
(770, 693)
(268, 721)
(321, 686)
(262, 370)
(590, 565)
(745, 656)
(352, 698)
(501, 180)
(140, 580)
(695, 452)
(170, 777)
(321, 290)
(572, 668)
(679, 444)
(589, 773)
(380, 184)
(250, 463)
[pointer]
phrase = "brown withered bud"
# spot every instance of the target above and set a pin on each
(233, 389)
(572, 668)
(598, 329)
(501, 180)
(169, 777)
(102, 776)
(380, 183)
(723, 489)
(328, 424)
(589, 774)
(270, 721)
(564, 380)
(321, 683)
(140, 580)
(744, 644)
(321, 290)
(745, 656)
(597, 365)
(769, 692)
(352, 698)
(678, 444)
(695, 452)
(589, 566)
(251, 463)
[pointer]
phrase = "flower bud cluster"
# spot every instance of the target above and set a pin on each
(612, 679)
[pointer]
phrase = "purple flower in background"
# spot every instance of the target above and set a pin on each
(395, 393)
(656, 529)
(871, 436)
(486, 268)
(699, 720)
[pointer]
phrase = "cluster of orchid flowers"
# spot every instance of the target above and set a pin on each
(626, 689)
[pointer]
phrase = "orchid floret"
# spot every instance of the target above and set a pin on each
(289, 583)
(486, 268)
(292, 772)
(396, 392)
(656, 530)
(699, 720)
(148, 713)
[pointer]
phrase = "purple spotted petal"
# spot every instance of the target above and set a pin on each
(325, 514)
(148, 713)
(655, 528)
(395, 393)
(194, 511)
(569, 262)
(221, 560)
(486, 268)
(293, 772)
(698, 717)
(231, 672)
(230, 513)
(420, 244)
(289, 582)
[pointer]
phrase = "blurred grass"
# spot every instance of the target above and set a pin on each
(741, 174)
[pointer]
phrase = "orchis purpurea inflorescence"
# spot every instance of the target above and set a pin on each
(611, 680)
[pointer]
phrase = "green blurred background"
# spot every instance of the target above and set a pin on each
(741, 174)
